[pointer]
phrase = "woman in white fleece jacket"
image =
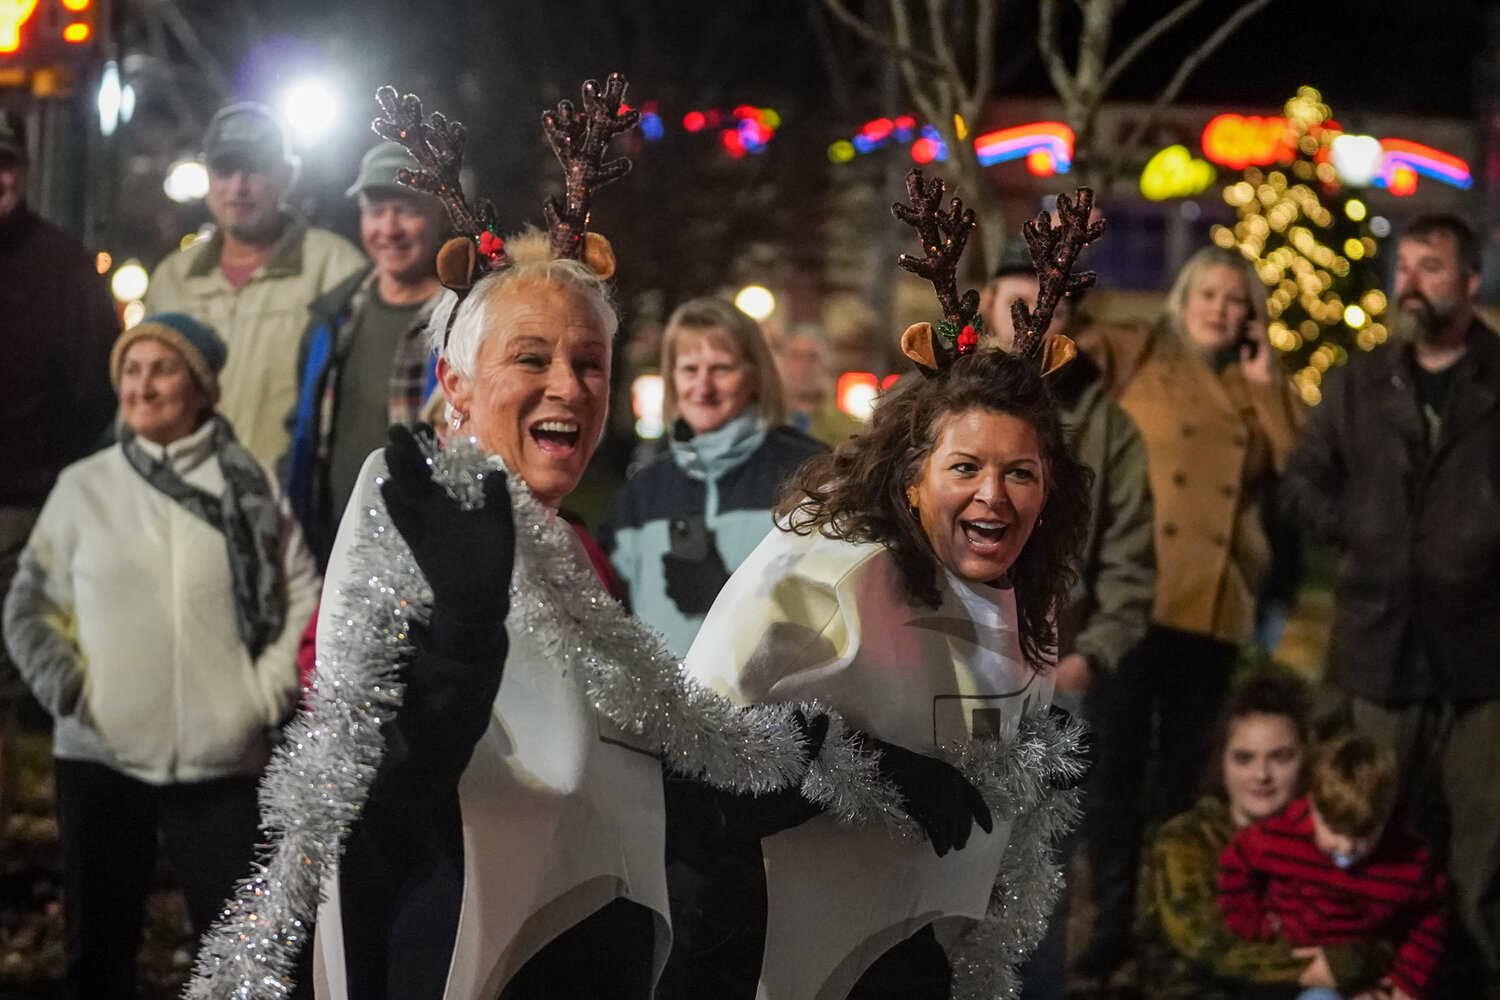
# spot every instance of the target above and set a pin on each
(156, 614)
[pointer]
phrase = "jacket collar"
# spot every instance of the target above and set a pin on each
(709, 455)
(1475, 390)
(286, 255)
(184, 454)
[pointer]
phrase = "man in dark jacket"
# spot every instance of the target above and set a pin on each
(363, 363)
(57, 324)
(1399, 467)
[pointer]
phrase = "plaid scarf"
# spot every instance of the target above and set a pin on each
(248, 517)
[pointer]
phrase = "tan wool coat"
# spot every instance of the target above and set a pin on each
(1214, 443)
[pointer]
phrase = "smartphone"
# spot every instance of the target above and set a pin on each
(690, 538)
(1248, 342)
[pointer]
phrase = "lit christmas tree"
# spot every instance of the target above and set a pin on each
(1312, 246)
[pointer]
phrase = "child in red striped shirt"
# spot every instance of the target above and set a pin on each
(1330, 869)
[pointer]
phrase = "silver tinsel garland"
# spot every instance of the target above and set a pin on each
(318, 781)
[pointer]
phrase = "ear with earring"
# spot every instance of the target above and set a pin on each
(911, 501)
(456, 420)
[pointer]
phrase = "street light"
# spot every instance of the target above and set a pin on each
(129, 282)
(756, 301)
(310, 108)
(187, 180)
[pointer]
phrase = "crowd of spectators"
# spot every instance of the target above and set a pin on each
(170, 494)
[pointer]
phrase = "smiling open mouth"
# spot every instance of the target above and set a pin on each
(555, 437)
(984, 536)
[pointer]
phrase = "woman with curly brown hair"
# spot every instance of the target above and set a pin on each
(913, 586)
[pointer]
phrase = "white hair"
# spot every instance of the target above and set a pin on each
(533, 265)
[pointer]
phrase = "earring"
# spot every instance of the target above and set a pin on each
(1038, 521)
(456, 420)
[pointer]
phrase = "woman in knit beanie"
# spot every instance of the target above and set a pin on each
(155, 614)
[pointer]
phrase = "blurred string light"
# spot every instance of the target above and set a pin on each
(1243, 141)
(309, 107)
(742, 130)
(129, 281)
(756, 301)
(857, 393)
(926, 141)
(187, 180)
(1317, 265)
(133, 313)
(115, 100)
(103, 262)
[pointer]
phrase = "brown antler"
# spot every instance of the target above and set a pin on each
(438, 147)
(581, 140)
(943, 236)
(1054, 250)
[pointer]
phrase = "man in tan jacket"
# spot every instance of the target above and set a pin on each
(253, 279)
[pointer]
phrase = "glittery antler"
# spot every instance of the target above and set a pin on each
(1054, 250)
(943, 236)
(437, 145)
(581, 140)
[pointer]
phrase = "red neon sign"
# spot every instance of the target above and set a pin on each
(1237, 141)
(13, 15)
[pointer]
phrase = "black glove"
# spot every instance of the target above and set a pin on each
(1088, 752)
(771, 812)
(466, 555)
(692, 584)
(934, 793)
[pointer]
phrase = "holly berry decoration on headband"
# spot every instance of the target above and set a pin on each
(491, 245)
(963, 338)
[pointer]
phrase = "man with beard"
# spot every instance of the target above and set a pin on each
(1399, 468)
(253, 279)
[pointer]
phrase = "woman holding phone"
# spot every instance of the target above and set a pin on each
(1218, 418)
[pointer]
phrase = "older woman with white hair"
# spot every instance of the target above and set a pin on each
(475, 790)
(156, 614)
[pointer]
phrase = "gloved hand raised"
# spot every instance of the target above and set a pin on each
(935, 794)
(466, 555)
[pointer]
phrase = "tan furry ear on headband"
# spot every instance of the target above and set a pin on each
(599, 255)
(456, 263)
(916, 343)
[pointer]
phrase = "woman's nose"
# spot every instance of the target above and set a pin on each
(562, 381)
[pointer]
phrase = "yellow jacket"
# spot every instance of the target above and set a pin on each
(261, 323)
(1214, 443)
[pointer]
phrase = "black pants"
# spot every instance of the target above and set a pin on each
(1159, 708)
(605, 956)
(110, 825)
(915, 969)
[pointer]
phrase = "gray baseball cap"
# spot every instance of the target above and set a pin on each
(378, 167)
(246, 134)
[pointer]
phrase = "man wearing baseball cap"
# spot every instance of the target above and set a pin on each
(57, 323)
(364, 363)
(254, 278)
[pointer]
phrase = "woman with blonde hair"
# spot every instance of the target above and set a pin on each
(689, 517)
(1218, 419)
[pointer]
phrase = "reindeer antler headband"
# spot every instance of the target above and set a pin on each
(579, 138)
(1054, 250)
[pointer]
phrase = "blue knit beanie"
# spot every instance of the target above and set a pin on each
(202, 348)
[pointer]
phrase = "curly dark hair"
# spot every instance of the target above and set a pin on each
(858, 492)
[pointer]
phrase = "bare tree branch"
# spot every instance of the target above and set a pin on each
(1143, 41)
(874, 37)
(1057, 66)
(1189, 65)
(986, 17)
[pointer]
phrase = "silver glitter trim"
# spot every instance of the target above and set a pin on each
(319, 777)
